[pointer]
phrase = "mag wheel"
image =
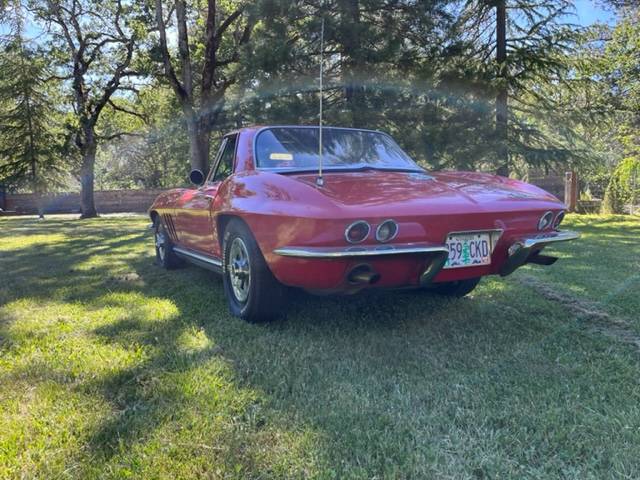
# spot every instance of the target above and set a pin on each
(252, 291)
(239, 271)
(165, 255)
(456, 289)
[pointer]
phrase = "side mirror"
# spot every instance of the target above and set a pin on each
(197, 177)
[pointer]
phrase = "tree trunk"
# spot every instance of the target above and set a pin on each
(354, 90)
(87, 202)
(198, 145)
(502, 111)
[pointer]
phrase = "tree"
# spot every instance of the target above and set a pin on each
(621, 74)
(522, 44)
(502, 96)
(155, 158)
(205, 63)
(31, 140)
(624, 187)
(382, 66)
(93, 42)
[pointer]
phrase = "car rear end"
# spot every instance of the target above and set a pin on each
(346, 255)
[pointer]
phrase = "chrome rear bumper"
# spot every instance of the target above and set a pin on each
(523, 250)
(360, 251)
(526, 248)
(546, 238)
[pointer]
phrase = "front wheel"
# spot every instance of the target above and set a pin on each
(458, 289)
(252, 291)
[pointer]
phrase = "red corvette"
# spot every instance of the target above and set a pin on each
(267, 217)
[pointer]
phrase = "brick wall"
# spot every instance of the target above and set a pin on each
(113, 201)
(107, 201)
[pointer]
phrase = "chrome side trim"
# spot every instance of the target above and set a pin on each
(199, 257)
(546, 238)
(368, 251)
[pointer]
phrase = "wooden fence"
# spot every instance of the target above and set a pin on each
(107, 201)
(554, 184)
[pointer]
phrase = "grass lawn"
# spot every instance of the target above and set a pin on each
(111, 367)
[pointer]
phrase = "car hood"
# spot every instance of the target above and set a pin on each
(442, 192)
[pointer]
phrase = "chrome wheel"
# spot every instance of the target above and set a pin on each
(239, 270)
(161, 245)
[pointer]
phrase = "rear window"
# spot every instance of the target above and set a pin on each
(296, 148)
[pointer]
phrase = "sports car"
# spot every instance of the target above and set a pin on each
(337, 210)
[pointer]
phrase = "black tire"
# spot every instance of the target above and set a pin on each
(456, 289)
(165, 256)
(253, 293)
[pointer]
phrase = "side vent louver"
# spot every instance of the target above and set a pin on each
(171, 228)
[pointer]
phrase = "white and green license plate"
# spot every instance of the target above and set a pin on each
(468, 250)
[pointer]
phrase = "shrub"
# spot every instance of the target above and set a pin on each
(624, 186)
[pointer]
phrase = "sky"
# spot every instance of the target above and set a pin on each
(589, 12)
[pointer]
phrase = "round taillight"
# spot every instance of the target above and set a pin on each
(357, 231)
(386, 231)
(545, 220)
(558, 220)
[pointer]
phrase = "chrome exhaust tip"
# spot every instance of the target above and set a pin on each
(363, 275)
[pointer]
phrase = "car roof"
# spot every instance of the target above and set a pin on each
(257, 128)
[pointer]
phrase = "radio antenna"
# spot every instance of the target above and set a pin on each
(320, 180)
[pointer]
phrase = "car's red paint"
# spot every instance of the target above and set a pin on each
(291, 210)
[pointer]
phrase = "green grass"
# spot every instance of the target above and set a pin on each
(111, 367)
(604, 267)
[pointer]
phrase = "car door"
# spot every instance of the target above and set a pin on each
(196, 214)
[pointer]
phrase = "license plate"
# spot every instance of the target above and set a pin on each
(468, 250)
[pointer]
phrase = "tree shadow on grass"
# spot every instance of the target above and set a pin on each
(327, 356)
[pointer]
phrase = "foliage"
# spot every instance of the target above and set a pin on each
(211, 38)
(92, 46)
(31, 134)
(602, 103)
(156, 156)
(624, 186)
(622, 70)
(379, 67)
(424, 64)
(539, 43)
(425, 71)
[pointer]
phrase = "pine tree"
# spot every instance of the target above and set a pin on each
(522, 45)
(30, 142)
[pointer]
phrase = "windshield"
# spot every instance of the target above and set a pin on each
(296, 148)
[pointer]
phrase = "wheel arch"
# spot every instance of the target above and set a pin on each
(223, 219)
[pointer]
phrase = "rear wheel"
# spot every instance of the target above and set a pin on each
(165, 256)
(459, 288)
(252, 291)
